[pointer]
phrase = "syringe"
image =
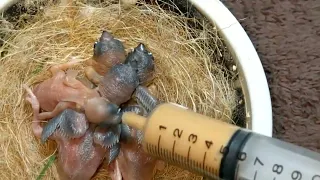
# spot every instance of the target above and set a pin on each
(219, 150)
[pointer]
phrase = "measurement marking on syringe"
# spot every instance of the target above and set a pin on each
(159, 144)
(188, 157)
(204, 160)
(255, 175)
(174, 144)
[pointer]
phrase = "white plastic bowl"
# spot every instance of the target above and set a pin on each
(252, 76)
(5, 4)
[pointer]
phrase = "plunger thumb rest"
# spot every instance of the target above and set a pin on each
(133, 120)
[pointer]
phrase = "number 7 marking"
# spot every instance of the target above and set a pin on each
(257, 160)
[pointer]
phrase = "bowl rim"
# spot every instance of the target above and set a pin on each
(4, 4)
(252, 76)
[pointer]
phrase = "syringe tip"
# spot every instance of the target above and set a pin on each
(134, 120)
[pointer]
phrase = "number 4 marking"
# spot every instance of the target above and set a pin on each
(257, 160)
(209, 143)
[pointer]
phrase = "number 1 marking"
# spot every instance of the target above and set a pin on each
(162, 127)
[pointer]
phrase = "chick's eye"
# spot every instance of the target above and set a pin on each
(95, 44)
(134, 63)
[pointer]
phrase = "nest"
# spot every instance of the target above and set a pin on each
(189, 70)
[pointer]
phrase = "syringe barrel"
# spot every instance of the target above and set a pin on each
(219, 150)
(263, 157)
(186, 139)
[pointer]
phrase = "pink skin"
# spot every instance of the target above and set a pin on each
(118, 84)
(75, 161)
(114, 171)
(108, 52)
(133, 163)
(116, 81)
(61, 91)
(79, 158)
(64, 91)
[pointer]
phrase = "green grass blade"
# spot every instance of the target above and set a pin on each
(45, 168)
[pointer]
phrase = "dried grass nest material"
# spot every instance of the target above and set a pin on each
(186, 72)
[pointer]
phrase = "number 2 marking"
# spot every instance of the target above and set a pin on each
(177, 132)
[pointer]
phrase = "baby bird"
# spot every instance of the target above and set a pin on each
(119, 83)
(132, 162)
(107, 136)
(78, 156)
(144, 97)
(69, 124)
(132, 158)
(109, 133)
(142, 62)
(63, 91)
(107, 52)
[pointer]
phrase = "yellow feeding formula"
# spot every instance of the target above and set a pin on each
(181, 136)
(219, 150)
